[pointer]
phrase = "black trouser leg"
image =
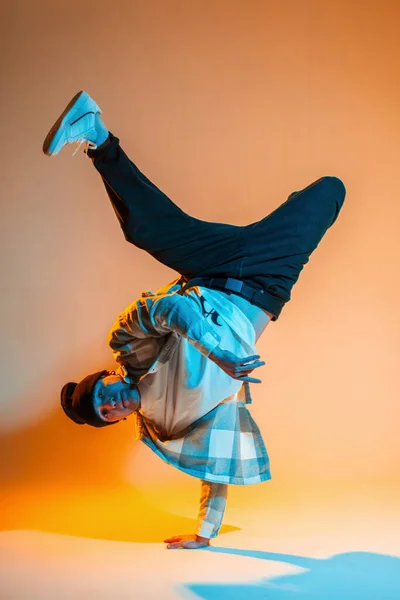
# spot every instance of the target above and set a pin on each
(151, 221)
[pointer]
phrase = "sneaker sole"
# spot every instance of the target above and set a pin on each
(52, 138)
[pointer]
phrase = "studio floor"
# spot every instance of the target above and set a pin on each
(107, 545)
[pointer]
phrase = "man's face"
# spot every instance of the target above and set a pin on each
(113, 398)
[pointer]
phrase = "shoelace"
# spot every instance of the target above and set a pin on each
(89, 146)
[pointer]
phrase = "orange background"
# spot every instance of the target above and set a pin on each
(228, 107)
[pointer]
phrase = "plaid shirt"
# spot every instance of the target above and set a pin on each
(223, 445)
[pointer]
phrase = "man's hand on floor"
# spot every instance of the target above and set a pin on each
(191, 541)
(238, 368)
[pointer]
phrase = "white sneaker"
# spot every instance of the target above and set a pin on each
(77, 124)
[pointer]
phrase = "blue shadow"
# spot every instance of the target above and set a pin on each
(347, 576)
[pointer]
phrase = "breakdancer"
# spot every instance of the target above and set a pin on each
(186, 353)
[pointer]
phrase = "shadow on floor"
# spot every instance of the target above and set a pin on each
(117, 513)
(347, 576)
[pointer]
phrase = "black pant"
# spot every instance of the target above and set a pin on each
(268, 254)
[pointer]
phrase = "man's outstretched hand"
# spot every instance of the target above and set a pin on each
(238, 368)
(191, 541)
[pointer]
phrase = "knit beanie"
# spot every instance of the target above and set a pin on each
(77, 401)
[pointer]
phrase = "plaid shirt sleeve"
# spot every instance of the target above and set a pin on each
(139, 331)
(212, 508)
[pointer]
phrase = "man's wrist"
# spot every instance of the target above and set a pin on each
(202, 539)
(207, 344)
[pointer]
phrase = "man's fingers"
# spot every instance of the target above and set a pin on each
(237, 360)
(182, 545)
(249, 379)
(175, 543)
(248, 367)
(248, 359)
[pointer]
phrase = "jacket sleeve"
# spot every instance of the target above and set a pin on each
(137, 328)
(212, 508)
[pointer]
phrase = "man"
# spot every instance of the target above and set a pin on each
(186, 353)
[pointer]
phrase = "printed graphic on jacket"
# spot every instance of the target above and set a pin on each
(209, 313)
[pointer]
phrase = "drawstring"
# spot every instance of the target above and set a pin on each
(244, 394)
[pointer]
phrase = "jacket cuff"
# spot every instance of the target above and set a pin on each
(207, 529)
(206, 344)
